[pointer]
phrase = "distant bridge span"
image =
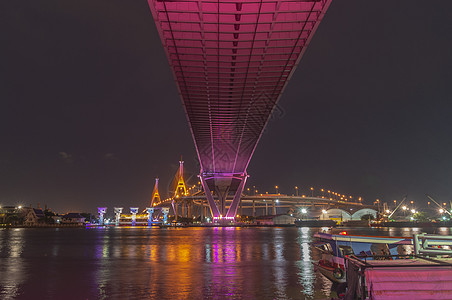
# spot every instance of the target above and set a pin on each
(264, 204)
(231, 60)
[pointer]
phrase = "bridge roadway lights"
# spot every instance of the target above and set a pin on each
(101, 211)
(222, 183)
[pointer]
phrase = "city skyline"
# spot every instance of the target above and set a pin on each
(91, 113)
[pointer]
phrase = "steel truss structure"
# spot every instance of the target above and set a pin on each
(231, 60)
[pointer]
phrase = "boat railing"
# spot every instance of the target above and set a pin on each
(431, 244)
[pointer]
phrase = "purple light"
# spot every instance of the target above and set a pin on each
(221, 218)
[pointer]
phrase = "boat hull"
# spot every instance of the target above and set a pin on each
(315, 223)
(328, 272)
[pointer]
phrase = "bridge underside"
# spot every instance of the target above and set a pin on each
(231, 61)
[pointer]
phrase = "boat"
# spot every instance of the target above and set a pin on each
(401, 224)
(315, 223)
(425, 274)
(334, 248)
(416, 277)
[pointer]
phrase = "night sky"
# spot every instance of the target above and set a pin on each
(90, 115)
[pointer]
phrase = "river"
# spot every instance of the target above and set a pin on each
(175, 263)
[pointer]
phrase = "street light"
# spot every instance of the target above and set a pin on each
(304, 210)
(441, 210)
(276, 187)
(404, 207)
(296, 191)
(413, 211)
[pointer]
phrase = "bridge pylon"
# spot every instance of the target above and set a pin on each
(181, 187)
(155, 194)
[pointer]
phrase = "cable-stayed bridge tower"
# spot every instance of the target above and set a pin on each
(181, 187)
(155, 200)
(231, 60)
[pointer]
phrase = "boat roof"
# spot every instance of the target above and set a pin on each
(343, 236)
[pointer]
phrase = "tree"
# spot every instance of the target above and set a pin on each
(421, 216)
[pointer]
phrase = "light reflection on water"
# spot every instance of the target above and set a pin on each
(184, 263)
(12, 269)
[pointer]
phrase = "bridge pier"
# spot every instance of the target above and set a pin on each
(273, 207)
(201, 212)
(241, 207)
(221, 184)
(254, 208)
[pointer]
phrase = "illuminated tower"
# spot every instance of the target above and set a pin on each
(134, 211)
(150, 211)
(118, 211)
(155, 194)
(101, 211)
(165, 211)
(181, 188)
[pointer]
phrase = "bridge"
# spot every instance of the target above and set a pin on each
(189, 201)
(231, 61)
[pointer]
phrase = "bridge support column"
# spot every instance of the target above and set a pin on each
(241, 207)
(150, 211)
(273, 207)
(222, 185)
(175, 210)
(118, 212)
(101, 211)
(133, 212)
(201, 213)
(254, 208)
(232, 212)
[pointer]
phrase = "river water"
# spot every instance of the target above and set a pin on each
(175, 263)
